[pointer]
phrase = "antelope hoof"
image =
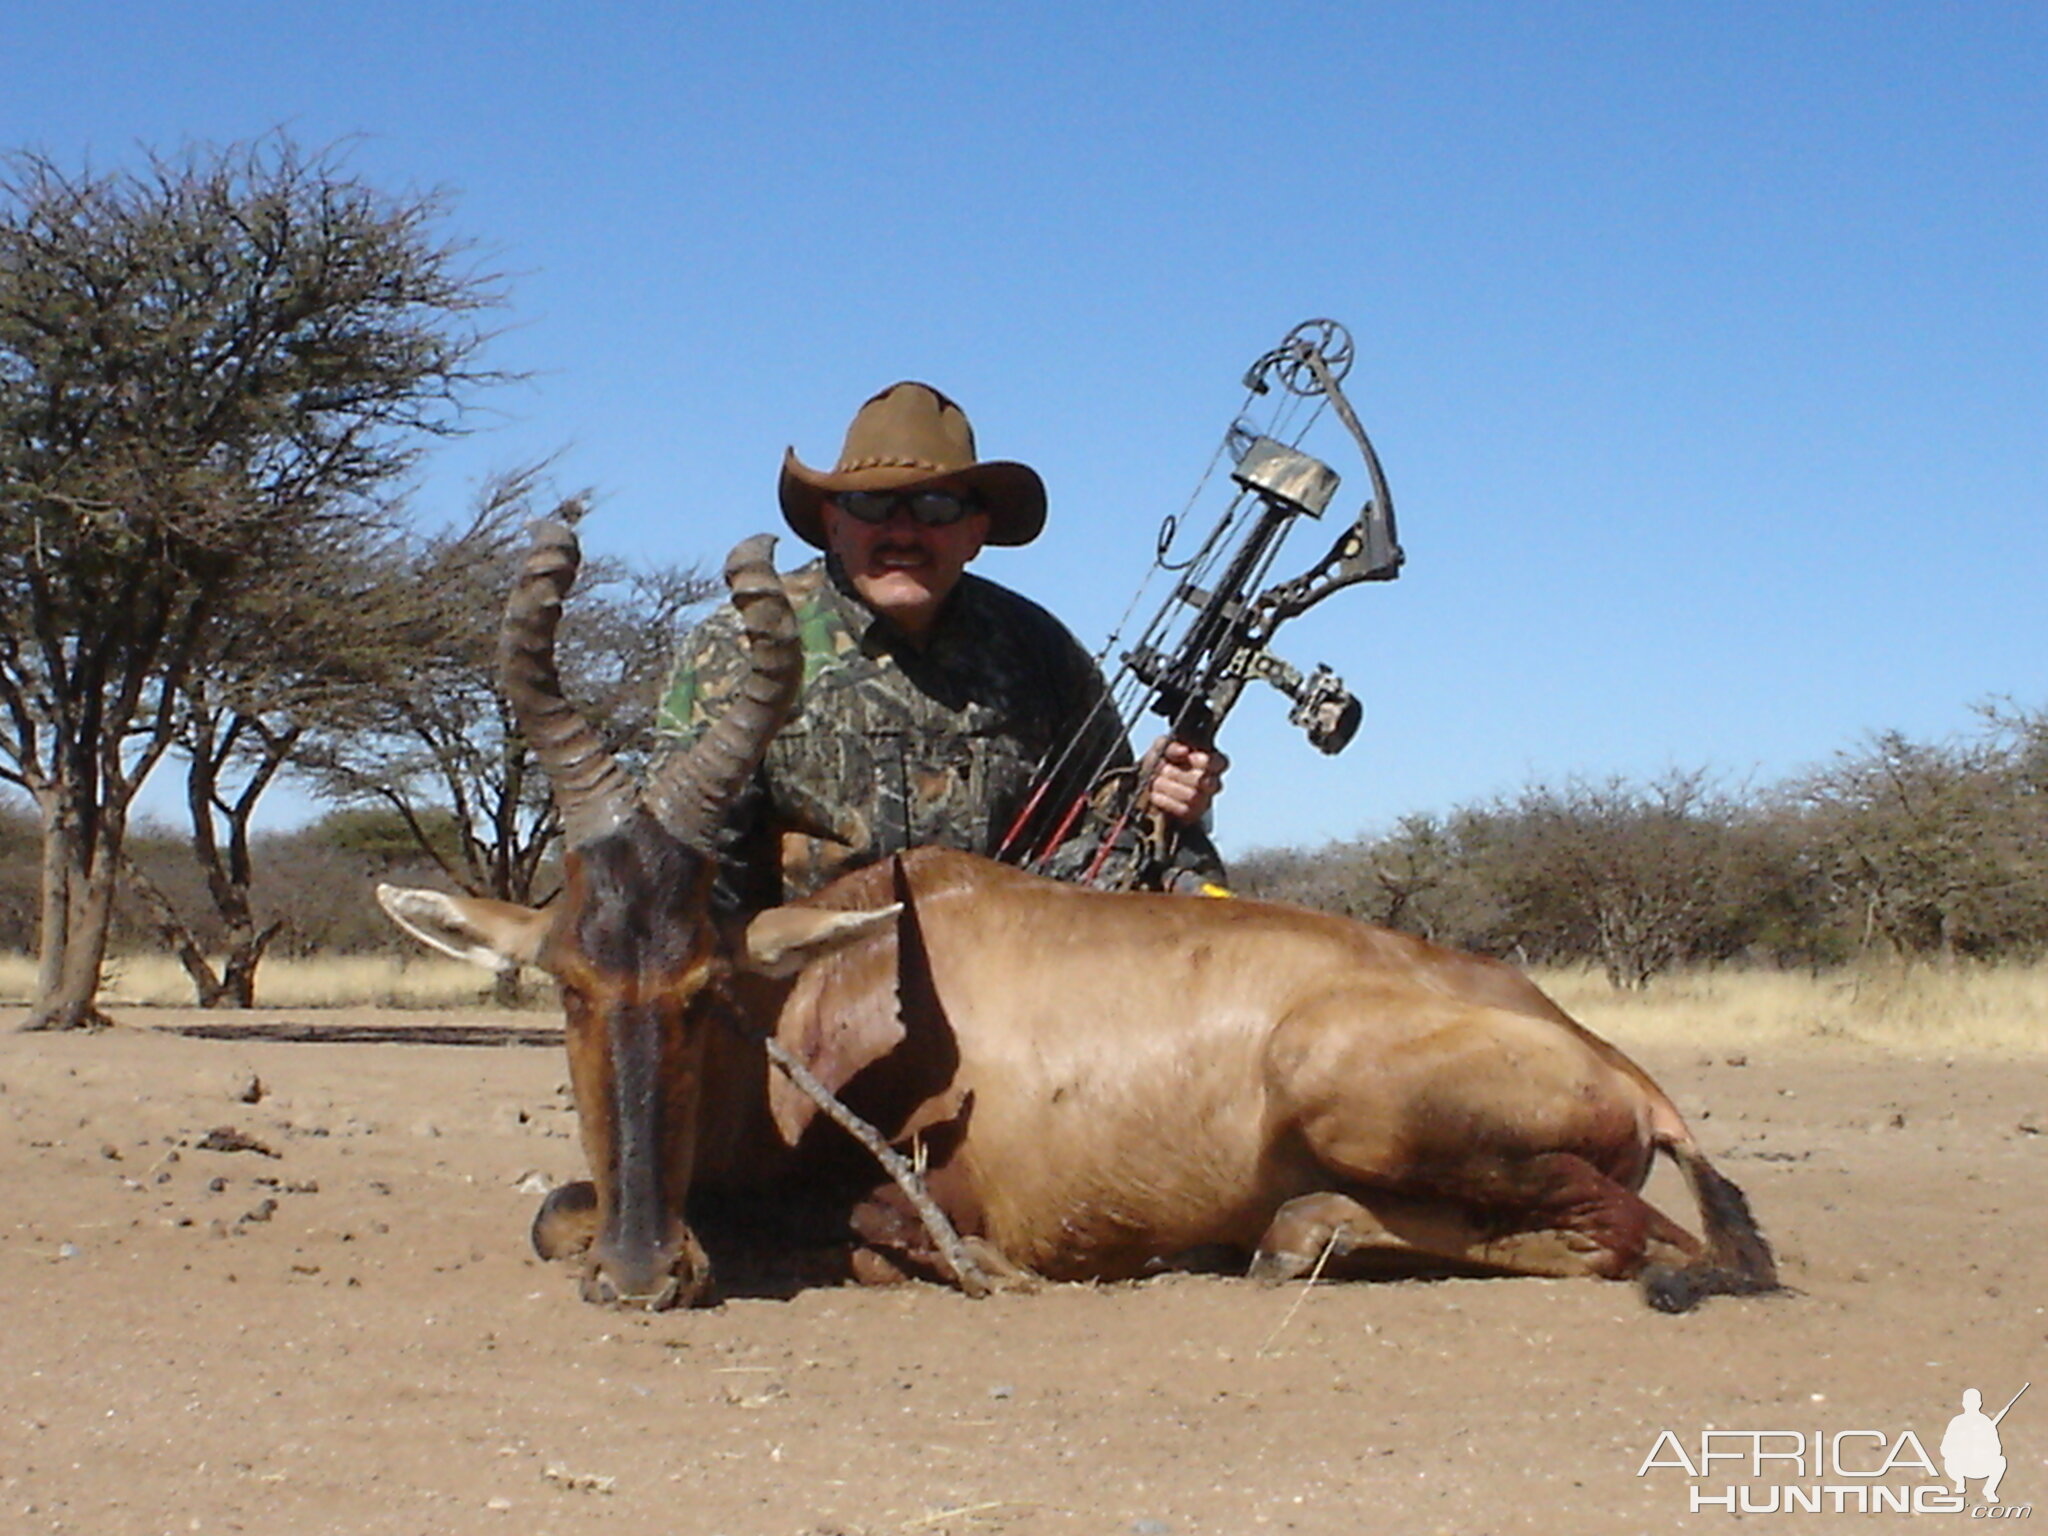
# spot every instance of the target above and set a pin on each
(566, 1224)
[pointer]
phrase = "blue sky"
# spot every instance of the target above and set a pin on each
(1705, 346)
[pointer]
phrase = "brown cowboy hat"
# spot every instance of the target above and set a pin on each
(911, 435)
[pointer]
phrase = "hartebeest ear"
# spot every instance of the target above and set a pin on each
(783, 940)
(493, 934)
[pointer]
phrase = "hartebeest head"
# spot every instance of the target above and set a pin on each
(632, 940)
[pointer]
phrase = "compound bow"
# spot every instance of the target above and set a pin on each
(1212, 633)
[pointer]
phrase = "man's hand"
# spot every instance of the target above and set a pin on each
(1184, 779)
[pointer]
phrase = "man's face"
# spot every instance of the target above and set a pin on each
(902, 568)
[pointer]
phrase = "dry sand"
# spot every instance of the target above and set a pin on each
(328, 1321)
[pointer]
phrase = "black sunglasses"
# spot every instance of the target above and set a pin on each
(929, 509)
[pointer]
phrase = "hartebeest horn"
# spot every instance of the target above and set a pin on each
(694, 788)
(591, 790)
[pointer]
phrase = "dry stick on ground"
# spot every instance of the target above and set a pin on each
(1313, 1276)
(973, 1280)
(963, 1512)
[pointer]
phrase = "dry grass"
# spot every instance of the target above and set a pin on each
(337, 981)
(1914, 1010)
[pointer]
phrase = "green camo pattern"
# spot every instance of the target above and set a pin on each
(893, 746)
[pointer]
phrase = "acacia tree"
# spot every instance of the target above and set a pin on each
(1641, 877)
(203, 365)
(1936, 849)
(1426, 876)
(423, 731)
(18, 839)
(291, 649)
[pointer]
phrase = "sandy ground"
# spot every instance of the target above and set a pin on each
(316, 1312)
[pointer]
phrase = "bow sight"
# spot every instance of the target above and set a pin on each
(1192, 664)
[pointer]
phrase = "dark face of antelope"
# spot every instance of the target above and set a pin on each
(633, 955)
(633, 945)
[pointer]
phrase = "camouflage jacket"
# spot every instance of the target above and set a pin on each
(893, 745)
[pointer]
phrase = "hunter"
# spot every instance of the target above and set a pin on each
(937, 707)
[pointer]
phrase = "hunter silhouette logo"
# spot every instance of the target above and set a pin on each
(1971, 1447)
(1846, 1471)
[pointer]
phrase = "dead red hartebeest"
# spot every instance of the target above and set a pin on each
(1092, 1083)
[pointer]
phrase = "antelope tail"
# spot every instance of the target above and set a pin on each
(1737, 1259)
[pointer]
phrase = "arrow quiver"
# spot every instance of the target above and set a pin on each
(1211, 634)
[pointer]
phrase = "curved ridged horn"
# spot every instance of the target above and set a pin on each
(591, 791)
(692, 790)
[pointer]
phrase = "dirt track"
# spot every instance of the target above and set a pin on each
(349, 1335)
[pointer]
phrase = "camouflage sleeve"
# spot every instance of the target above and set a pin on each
(709, 664)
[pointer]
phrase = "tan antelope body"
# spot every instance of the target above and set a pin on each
(1093, 1083)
